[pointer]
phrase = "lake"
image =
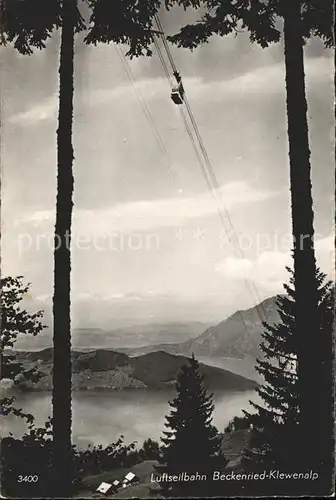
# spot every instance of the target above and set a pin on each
(101, 417)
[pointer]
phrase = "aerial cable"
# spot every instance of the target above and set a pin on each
(165, 43)
(145, 109)
(193, 122)
(160, 142)
(187, 127)
(163, 62)
(206, 175)
(193, 143)
(224, 216)
(214, 186)
(191, 137)
(215, 182)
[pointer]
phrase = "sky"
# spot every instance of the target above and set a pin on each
(148, 243)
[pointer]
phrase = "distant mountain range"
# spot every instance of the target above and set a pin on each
(107, 369)
(133, 358)
(127, 337)
(238, 336)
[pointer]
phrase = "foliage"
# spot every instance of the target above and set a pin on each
(28, 24)
(192, 445)
(123, 21)
(13, 319)
(26, 459)
(19, 457)
(31, 456)
(258, 17)
(97, 459)
(16, 321)
(150, 450)
(274, 442)
(237, 423)
(301, 19)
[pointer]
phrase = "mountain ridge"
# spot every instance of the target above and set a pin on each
(237, 336)
(107, 369)
(125, 337)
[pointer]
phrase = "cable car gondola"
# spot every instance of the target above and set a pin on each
(176, 95)
(178, 91)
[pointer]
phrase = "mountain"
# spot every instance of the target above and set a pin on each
(134, 336)
(106, 369)
(238, 336)
(140, 335)
(160, 367)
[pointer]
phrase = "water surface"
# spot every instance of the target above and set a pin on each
(101, 417)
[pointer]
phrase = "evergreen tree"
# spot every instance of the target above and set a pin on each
(150, 450)
(192, 445)
(275, 440)
(301, 20)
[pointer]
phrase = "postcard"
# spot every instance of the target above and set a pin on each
(167, 248)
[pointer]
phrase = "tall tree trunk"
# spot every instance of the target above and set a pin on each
(307, 327)
(61, 397)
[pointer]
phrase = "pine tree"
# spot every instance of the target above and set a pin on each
(275, 440)
(192, 445)
(150, 450)
(302, 19)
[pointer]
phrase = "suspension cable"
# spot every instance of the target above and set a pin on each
(146, 110)
(207, 170)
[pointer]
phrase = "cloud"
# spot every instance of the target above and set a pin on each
(271, 78)
(325, 254)
(232, 267)
(240, 113)
(117, 296)
(263, 80)
(44, 110)
(44, 297)
(47, 109)
(268, 270)
(147, 215)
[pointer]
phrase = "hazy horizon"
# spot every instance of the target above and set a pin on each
(128, 333)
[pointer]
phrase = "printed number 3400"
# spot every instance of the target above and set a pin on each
(27, 479)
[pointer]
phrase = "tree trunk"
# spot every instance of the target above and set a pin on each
(307, 328)
(61, 397)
